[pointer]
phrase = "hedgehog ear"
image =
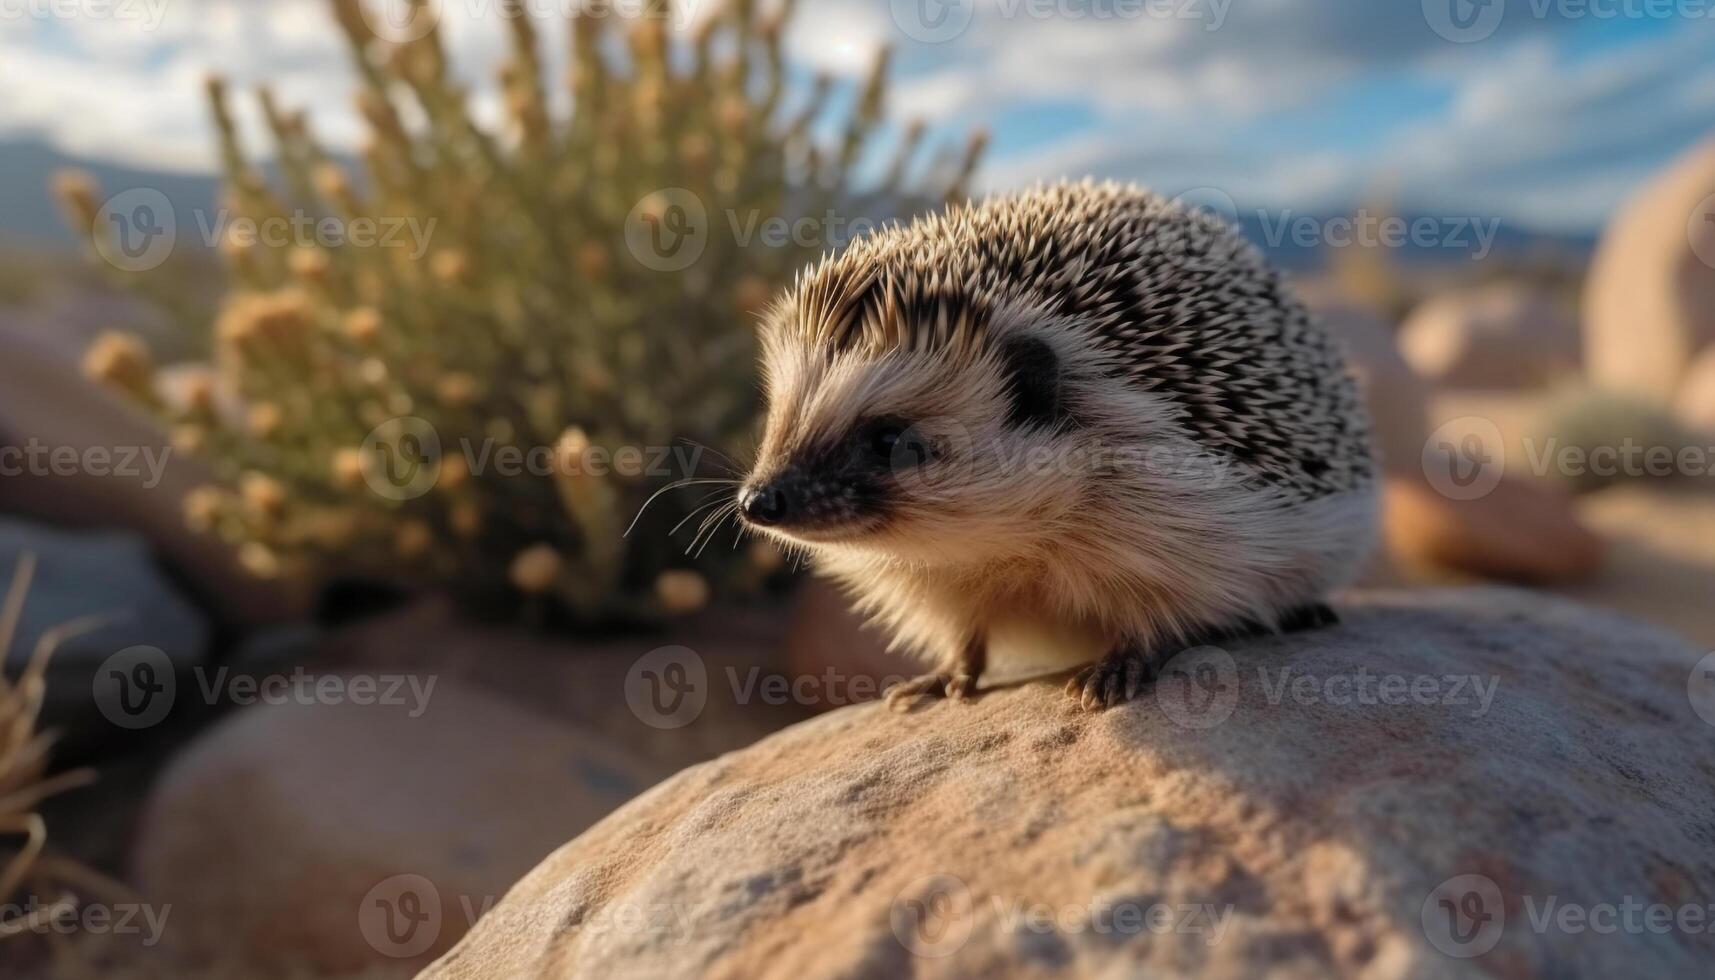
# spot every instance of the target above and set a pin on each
(1033, 381)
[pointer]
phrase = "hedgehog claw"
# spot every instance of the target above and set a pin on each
(1113, 680)
(933, 686)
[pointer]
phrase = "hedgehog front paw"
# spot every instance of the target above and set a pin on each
(1112, 680)
(932, 686)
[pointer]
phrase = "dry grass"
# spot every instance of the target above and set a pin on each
(38, 891)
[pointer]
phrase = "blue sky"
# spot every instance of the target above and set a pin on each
(1545, 113)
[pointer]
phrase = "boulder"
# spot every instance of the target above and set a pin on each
(1499, 335)
(1697, 396)
(1400, 796)
(345, 823)
(1515, 532)
(106, 465)
(1661, 564)
(1649, 300)
(135, 614)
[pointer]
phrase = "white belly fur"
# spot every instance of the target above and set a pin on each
(1020, 647)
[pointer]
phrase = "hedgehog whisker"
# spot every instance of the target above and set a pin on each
(732, 467)
(676, 484)
(711, 525)
(712, 500)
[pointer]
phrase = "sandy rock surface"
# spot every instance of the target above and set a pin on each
(1649, 301)
(1256, 812)
(1501, 335)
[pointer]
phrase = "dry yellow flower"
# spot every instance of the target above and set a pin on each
(347, 466)
(262, 494)
(681, 591)
(456, 390)
(203, 507)
(189, 439)
(77, 192)
(259, 560)
(331, 182)
(449, 265)
(120, 359)
(535, 569)
(454, 472)
(263, 419)
(413, 539)
(465, 518)
(363, 325)
(309, 263)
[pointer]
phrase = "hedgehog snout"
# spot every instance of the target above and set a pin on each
(766, 505)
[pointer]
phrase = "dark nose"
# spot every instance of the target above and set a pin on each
(765, 505)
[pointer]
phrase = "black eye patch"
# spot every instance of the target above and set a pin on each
(1033, 382)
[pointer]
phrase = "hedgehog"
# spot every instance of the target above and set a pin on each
(1083, 407)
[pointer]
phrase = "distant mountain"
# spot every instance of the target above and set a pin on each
(29, 215)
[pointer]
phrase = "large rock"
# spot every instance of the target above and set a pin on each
(106, 465)
(1500, 335)
(1697, 396)
(1649, 301)
(1515, 532)
(1662, 554)
(1344, 802)
(131, 612)
(341, 827)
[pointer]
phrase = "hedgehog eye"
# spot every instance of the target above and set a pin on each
(884, 438)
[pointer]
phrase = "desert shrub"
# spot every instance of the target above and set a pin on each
(542, 331)
(1600, 430)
